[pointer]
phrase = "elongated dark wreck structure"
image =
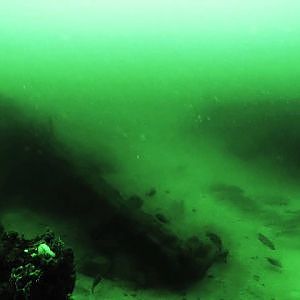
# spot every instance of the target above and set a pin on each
(37, 173)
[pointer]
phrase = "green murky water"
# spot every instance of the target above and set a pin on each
(197, 98)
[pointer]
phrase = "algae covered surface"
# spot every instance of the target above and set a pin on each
(191, 106)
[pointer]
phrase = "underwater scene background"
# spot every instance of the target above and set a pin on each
(192, 106)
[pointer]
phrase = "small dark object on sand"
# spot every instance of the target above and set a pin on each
(1, 230)
(162, 218)
(215, 239)
(151, 192)
(274, 262)
(96, 281)
(266, 241)
(135, 202)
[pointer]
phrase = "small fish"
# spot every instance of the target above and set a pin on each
(263, 239)
(96, 281)
(274, 262)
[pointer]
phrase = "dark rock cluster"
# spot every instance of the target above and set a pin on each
(35, 269)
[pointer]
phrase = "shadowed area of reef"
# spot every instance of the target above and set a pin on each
(265, 131)
(37, 172)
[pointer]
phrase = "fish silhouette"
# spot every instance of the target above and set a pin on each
(266, 241)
